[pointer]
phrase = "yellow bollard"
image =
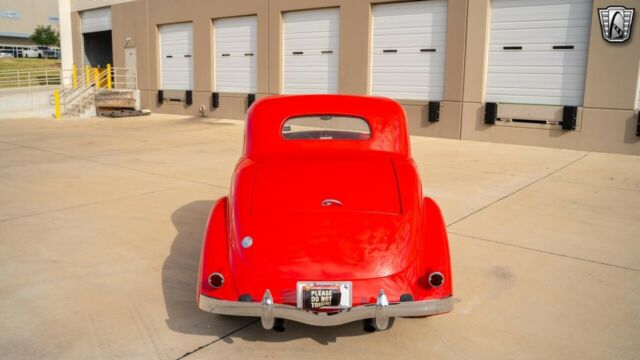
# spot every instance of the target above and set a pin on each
(74, 76)
(56, 99)
(96, 75)
(109, 76)
(87, 78)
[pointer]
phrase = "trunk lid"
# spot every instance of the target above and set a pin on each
(364, 184)
(296, 237)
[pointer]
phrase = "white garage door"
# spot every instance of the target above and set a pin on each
(311, 44)
(538, 51)
(408, 51)
(96, 20)
(236, 54)
(176, 60)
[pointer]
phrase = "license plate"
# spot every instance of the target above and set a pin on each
(324, 295)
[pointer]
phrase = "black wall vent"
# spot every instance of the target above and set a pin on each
(434, 111)
(251, 98)
(189, 97)
(160, 96)
(569, 116)
(215, 100)
(490, 113)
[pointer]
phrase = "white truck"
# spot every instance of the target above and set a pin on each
(33, 52)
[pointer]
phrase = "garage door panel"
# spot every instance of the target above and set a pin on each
(406, 14)
(235, 48)
(540, 99)
(430, 62)
(306, 44)
(432, 21)
(568, 60)
(535, 70)
(406, 85)
(545, 97)
(547, 24)
(539, 92)
(407, 89)
(523, 15)
(414, 36)
(310, 52)
(406, 77)
(311, 77)
(96, 20)
(236, 52)
(230, 83)
(311, 73)
(536, 48)
(306, 88)
(539, 81)
(176, 47)
(231, 35)
(176, 56)
(243, 29)
(233, 62)
(326, 30)
(311, 61)
(542, 5)
(413, 41)
(546, 36)
(179, 69)
(404, 93)
(537, 73)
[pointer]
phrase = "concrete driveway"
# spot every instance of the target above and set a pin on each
(101, 223)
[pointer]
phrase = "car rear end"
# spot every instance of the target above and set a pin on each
(327, 226)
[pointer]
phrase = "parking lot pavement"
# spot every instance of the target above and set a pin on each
(101, 223)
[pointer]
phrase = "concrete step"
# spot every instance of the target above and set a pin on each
(115, 99)
(116, 103)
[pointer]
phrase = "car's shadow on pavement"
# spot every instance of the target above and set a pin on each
(179, 280)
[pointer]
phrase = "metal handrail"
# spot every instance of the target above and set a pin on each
(30, 77)
(121, 77)
(87, 82)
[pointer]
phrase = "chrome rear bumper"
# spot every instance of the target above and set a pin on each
(381, 311)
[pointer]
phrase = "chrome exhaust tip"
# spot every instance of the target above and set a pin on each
(436, 279)
(216, 280)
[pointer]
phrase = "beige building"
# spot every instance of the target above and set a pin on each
(532, 72)
(18, 19)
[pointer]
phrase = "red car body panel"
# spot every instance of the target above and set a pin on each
(385, 236)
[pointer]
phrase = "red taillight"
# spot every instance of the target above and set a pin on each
(216, 280)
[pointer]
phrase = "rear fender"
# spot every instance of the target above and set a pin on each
(214, 256)
(435, 252)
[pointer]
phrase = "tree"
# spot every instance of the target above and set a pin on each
(45, 36)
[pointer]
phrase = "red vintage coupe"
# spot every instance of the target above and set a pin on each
(325, 222)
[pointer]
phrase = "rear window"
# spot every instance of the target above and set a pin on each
(326, 127)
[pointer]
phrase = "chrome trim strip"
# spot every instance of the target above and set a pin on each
(268, 310)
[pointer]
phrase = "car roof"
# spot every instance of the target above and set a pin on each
(386, 119)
